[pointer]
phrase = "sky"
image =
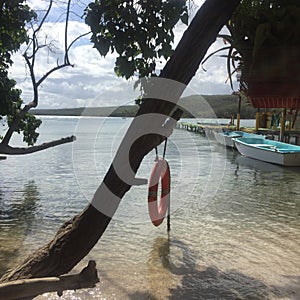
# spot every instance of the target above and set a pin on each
(92, 81)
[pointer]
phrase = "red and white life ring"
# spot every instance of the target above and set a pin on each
(157, 212)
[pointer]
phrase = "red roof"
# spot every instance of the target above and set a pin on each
(275, 102)
(275, 94)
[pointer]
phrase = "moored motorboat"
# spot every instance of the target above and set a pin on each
(268, 150)
(225, 137)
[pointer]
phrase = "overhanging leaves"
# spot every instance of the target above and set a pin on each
(139, 31)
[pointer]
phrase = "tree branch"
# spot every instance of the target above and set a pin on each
(75, 40)
(44, 17)
(30, 62)
(18, 289)
(15, 123)
(34, 102)
(66, 59)
(35, 46)
(6, 149)
(45, 76)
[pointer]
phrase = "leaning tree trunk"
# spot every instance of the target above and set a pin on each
(77, 237)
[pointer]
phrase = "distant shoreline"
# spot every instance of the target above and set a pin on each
(112, 111)
(224, 106)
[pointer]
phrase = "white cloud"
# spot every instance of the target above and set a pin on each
(38, 4)
(93, 78)
(58, 10)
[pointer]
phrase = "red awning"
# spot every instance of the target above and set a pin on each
(275, 102)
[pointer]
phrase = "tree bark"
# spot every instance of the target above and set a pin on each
(77, 237)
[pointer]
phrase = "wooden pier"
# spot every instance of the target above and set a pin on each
(193, 127)
(206, 129)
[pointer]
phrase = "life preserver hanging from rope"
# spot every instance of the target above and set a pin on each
(158, 211)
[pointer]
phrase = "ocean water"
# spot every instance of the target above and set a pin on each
(235, 230)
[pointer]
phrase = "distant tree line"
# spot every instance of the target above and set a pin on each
(224, 106)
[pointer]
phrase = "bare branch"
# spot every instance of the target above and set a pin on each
(45, 17)
(6, 149)
(31, 40)
(51, 71)
(18, 289)
(35, 45)
(30, 56)
(66, 60)
(33, 81)
(75, 40)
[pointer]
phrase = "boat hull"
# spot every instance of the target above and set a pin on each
(269, 151)
(226, 138)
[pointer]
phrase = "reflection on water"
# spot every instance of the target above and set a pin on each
(235, 235)
(17, 213)
(22, 210)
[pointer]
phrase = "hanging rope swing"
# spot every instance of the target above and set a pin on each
(160, 172)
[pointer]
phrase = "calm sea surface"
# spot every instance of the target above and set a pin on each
(235, 230)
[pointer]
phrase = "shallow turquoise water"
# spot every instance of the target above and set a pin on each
(234, 221)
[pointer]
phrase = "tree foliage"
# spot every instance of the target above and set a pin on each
(139, 31)
(257, 26)
(14, 15)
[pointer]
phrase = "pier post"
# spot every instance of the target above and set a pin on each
(238, 117)
(282, 125)
(257, 120)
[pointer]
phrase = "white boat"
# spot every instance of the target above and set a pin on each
(225, 137)
(269, 151)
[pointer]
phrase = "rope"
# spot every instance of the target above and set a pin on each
(156, 154)
(165, 147)
(169, 213)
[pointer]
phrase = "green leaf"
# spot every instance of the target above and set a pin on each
(185, 18)
(102, 45)
(125, 67)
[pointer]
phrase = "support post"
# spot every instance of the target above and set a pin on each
(282, 125)
(257, 120)
(238, 117)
